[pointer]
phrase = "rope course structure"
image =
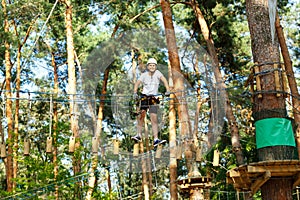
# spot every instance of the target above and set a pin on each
(123, 158)
(252, 176)
(114, 150)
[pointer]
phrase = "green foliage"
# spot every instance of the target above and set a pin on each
(290, 23)
(94, 23)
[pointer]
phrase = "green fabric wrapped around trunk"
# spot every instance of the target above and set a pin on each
(274, 132)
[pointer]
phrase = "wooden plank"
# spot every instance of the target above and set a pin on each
(251, 177)
(273, 169)
(260, 181)
(257, 78)
(275, 162)
(234, 173)
(277, 80)
(229, 180)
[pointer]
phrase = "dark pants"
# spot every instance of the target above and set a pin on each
(149, 102)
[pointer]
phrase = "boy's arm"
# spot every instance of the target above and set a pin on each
(165, 82)
(136, 86)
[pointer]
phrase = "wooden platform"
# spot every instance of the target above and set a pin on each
(252, 176)
(189, 183)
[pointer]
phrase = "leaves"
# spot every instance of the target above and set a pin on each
(105, 33)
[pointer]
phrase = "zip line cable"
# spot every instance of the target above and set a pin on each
(113, 104)
(245, 93)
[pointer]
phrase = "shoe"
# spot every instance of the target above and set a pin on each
(158, 141)
(137, 138)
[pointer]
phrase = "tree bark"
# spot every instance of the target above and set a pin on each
(55, 119)
(268, 104)
(172, 141)
(197, 194)
(145, 181)
(72, 91)
(179, 89)
(9, 116)
(55, 122)
(17, 114)
(277, 188)
(148, 172)
(98, 131)
(17, 105)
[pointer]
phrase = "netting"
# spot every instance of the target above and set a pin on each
(204, 94)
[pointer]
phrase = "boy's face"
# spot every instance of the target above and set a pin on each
(151, 67)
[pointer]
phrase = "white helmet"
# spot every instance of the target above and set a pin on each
(151, 61)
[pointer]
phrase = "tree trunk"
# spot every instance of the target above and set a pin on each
(98, 131)
(179, 89)
(268, 102)
(55, 122)
(172, 141)
(197, 194)
(108, 182)
(8, 103)
(199, 102)
(16, 121)
(18, 86)
(235, 138)
(55, 119)
(145, 182)
(277, 188)
(72, 92)
(148, 172)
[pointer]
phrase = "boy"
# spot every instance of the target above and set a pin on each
(150, 81)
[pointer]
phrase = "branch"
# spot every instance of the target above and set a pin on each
(145, 11)
(154, 7)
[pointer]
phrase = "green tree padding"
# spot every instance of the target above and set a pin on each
(274, 132)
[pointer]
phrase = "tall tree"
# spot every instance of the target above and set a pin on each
(72, 90)
(179, 93)
(98, 132)
(8, 94)
(175, 65)
(269, 102)
(172, 140)
(55, 118)
(235, 138)
(21, 43)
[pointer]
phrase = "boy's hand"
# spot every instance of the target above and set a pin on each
(135, 96)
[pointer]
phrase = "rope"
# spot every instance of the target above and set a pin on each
(266, 63)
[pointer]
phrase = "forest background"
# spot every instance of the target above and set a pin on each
(38, 104)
